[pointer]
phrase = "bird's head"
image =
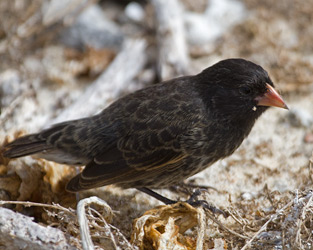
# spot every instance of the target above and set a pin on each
(239, 89)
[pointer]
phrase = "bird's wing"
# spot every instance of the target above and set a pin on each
(135, 158)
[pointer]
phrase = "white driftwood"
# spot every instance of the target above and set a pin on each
(173, 52)
(67, 9)
(127, 64)
(50, 13)
(18, 231)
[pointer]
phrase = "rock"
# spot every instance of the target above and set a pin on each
(18, 231)
(10, 87)
(135, 12)
(93, 29)
(300, 118)
(219, 16)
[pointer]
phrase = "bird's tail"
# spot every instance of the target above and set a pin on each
(53, 144)
(26, 145)
(33, 143)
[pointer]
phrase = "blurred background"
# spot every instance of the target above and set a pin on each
(61, 47)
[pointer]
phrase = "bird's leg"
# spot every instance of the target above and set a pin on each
(193, 200)
(159, 197)
(77, 195)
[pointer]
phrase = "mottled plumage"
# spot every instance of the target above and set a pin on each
(160, 135)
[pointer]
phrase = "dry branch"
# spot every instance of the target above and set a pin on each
(67, 10)
(173, 52)
(127, 64)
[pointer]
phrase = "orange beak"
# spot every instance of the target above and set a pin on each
(271, 98)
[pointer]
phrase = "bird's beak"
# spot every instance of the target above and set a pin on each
(271, 98)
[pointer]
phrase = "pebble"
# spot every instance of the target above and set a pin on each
(135, 12)
(300, 118)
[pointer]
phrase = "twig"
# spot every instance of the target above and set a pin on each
(236, 219)
(309, 196)
(108, 226)
(226, 228)
(122, 236)
(83, 223)
(311, 167)
(273, 217)
(173, 53)
(35, 204)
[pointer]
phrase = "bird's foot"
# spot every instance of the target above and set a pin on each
(193, 200)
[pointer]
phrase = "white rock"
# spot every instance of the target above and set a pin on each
(10, 87)
(93, 29)
(135, 12)
(248, 196)
(300, 117)
(219, 16)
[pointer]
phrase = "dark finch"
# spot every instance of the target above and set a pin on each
(160, 135)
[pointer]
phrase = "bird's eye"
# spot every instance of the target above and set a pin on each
(245, 90)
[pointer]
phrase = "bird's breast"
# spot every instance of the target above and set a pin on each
(217, 142)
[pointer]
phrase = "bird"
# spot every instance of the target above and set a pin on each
(160, 135)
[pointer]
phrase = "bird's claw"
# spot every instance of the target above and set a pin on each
(193, 201)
